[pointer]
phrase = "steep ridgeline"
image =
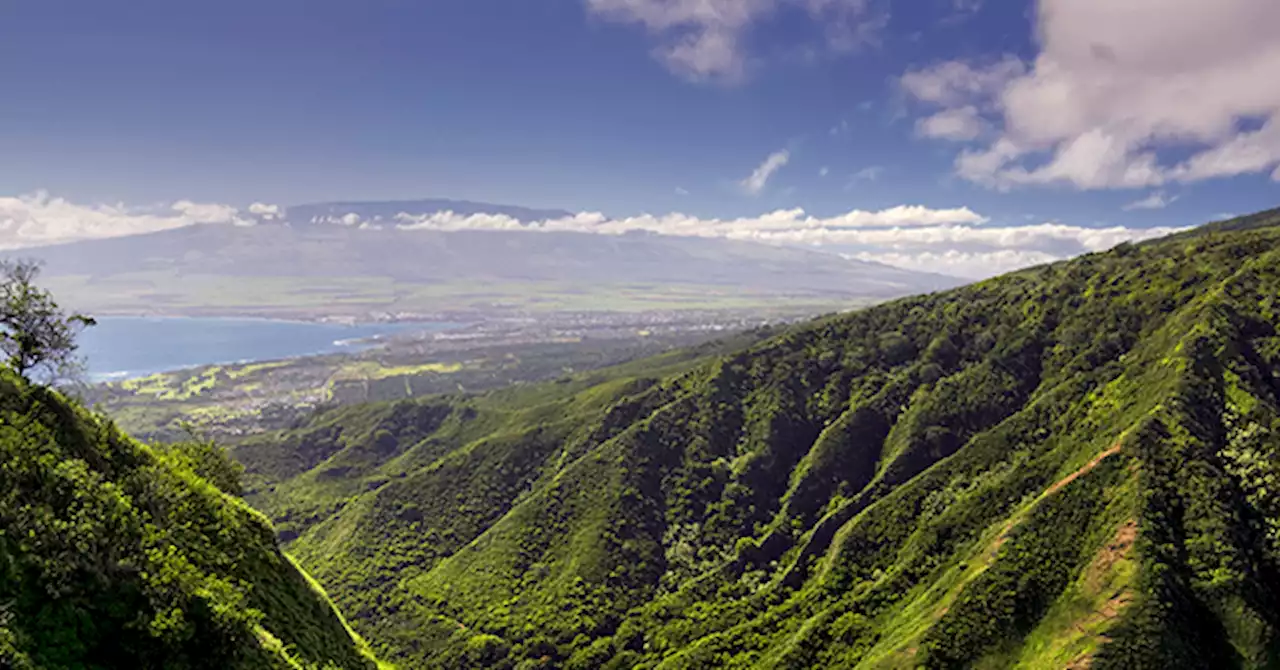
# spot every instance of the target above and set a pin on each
(1075, 465)
(116, 555)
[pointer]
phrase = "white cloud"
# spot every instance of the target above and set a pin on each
(787, 225)
(970, 265)
(704, 39)
(956, 83)
(978, 253)
(1057, 239)
(268, 212)
(39, 219)
(1157, 200)
(1118, 87)
(448, 220)
(950, 240)
(961, 123)
(1245, 153)
(824, 171)
(205, 212)
(760, 177)
(680, 190)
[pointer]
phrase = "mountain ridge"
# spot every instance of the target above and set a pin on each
(114, 554)
(1061, 467)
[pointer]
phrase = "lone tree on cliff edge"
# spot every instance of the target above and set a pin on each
(36, 334)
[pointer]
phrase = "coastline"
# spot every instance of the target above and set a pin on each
(129, 347)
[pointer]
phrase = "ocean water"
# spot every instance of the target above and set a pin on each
(123, 347)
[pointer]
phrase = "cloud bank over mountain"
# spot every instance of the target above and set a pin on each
(957, 241)
(39, 218)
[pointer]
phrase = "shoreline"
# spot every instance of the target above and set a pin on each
(243, 335)
(316, 321)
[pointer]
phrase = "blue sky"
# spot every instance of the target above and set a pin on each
(629, 107)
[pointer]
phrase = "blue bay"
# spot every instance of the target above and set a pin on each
(120, 347)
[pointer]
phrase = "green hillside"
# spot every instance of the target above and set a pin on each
(1076, 465)
(117, 555)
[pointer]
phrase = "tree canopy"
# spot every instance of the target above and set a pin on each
(36, 335)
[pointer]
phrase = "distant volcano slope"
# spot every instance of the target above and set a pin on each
(311, 263)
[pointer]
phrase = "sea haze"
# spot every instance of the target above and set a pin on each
(122, 347)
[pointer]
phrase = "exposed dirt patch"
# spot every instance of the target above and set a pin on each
(1054, 488)
(1086, 469)
(1095, 577)
(1119, 547)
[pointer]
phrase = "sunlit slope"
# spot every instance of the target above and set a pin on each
(115, 555)
(1074, 465)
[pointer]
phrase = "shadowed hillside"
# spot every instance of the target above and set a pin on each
(116, 555)
(1070, 466)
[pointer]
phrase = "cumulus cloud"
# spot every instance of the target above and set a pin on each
(760, 176)
(1157, 200)
(265, 211)
(40, 219)
(1119, 91)
(703, 40)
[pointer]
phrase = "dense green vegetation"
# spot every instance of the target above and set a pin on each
(1073, 465)
(117, 555)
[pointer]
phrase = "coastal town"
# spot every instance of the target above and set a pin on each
(245, 398)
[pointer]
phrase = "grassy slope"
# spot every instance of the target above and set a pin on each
(1070, 465)
(115, 555)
